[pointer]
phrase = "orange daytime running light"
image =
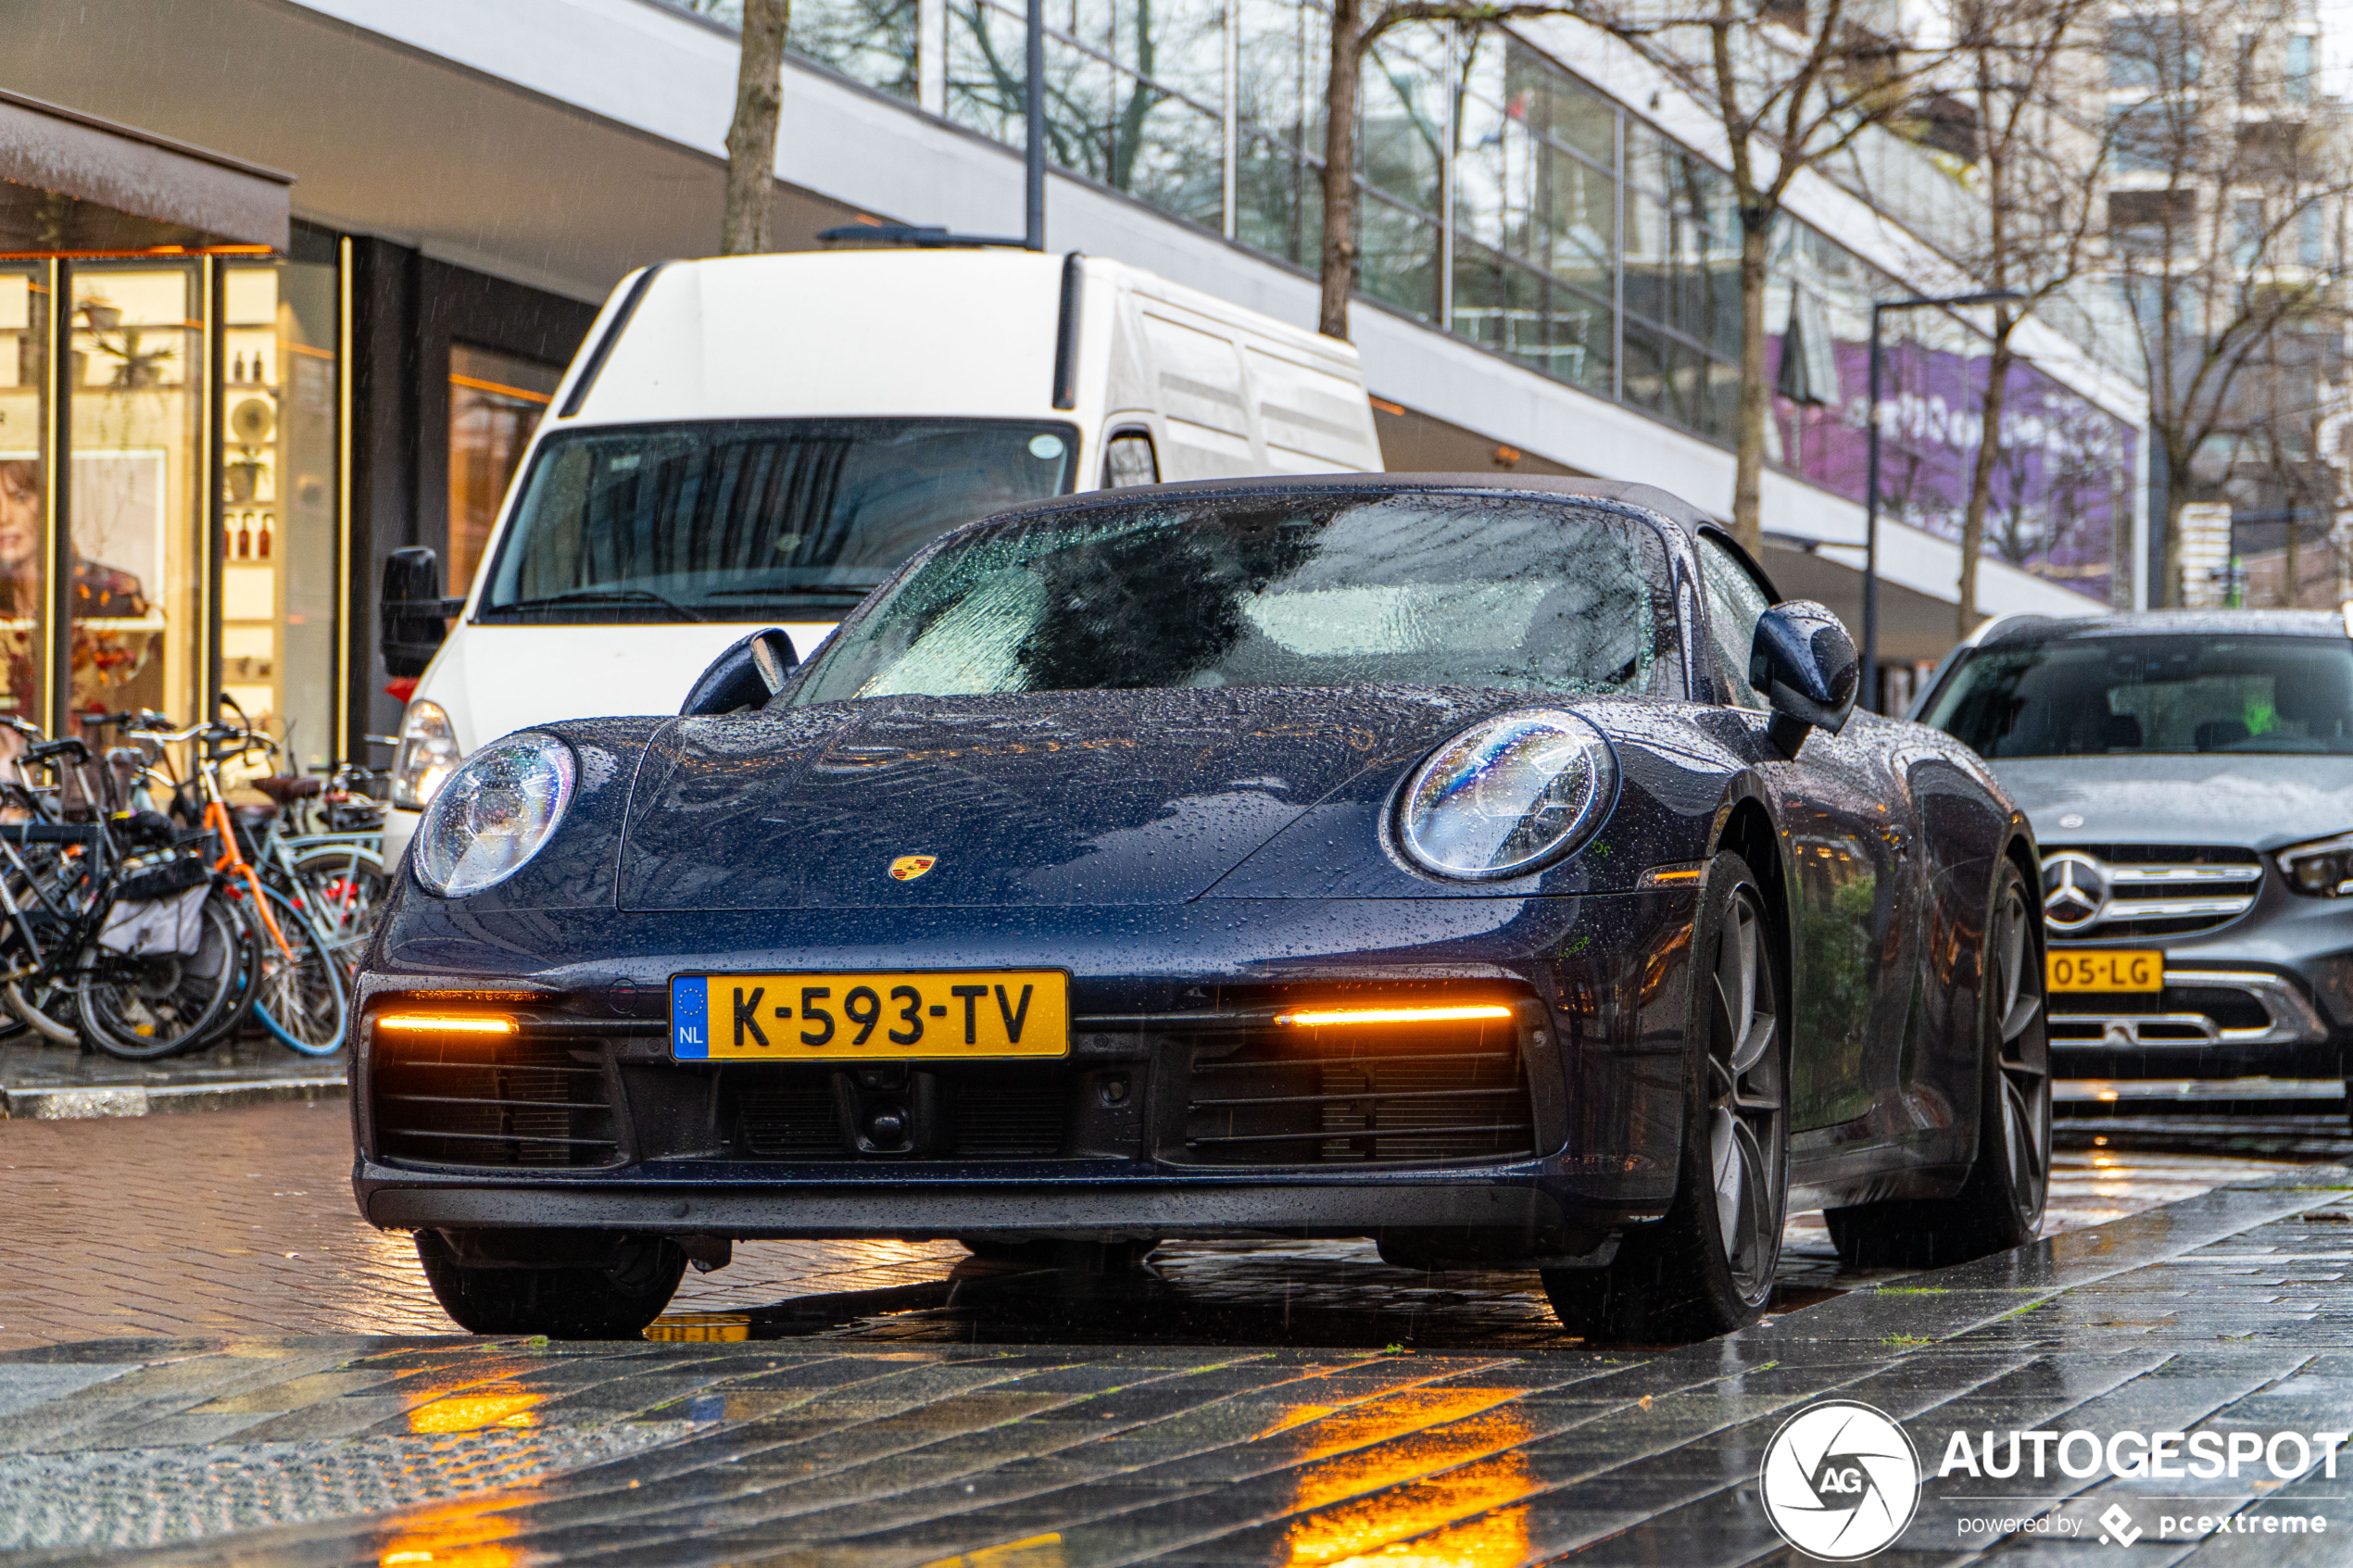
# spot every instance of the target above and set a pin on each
(445, 1024)
(1393, 1015)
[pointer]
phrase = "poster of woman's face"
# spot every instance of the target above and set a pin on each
(20, 515)
(118, 505)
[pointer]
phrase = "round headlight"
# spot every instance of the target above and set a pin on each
(494, 813)
(1507, 795)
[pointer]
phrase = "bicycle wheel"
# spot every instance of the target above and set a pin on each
(344, 885)
(141, 1006)
(299, 1000)
(49, 891)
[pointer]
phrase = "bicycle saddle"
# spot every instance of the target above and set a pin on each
(287, 788)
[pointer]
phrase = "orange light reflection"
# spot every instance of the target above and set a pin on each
(1435, 1494)
(476, 1533)
(497, 1404)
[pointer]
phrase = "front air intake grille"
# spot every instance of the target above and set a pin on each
(1360, 1095)
(975, 1113)
(2117, 891)
(477, 1100)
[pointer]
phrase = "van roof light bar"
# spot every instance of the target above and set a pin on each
(922, 236)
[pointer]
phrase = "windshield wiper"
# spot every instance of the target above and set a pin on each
(836, 589)
(606, 595)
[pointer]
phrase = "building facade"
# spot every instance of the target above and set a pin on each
(230, 435)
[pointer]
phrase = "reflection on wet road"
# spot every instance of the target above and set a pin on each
(1289, 1405)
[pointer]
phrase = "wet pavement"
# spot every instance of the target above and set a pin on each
(208, 1359)
(45, 1081)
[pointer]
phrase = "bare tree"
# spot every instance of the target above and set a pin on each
(1356, 27)
(747, 225)
(2228, 175)
(1793, 84)
(2040, 178)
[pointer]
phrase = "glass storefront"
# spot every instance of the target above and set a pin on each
(495, 401)
(24, 402)
(1508, 201)
(193, 403)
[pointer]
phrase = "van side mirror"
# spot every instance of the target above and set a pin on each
(411, 612)
(747, 675)
(1804, 663)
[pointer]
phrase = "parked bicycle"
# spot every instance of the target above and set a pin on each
(145, 914)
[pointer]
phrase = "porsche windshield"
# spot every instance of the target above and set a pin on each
(752, 519)
(2136, 696)
(1316, 590)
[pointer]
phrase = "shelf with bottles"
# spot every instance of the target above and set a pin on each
(249, 533)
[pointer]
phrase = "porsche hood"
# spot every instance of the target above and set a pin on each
(1064, 797)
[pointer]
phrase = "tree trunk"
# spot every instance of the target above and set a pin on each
(1981, 479)
(2292, 597)
(1339, 168)
(2177, 496)
(747, 226)
(1756, 400)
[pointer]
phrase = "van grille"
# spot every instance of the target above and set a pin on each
(1290, 1097)
(512, 1102)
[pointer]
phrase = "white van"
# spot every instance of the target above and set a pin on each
(757, 440)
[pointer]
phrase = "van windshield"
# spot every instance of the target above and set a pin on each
(2138, 695)
(752, 519)
(1309, 590)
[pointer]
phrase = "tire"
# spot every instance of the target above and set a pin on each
(301, 1000)
(47, 1007)
(2001, 1205)
(1707, 1268)
(142, 1007)
(344, 885)
(562, 1303)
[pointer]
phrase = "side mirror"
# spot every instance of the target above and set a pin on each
(747, 675)
(411, 611)
(1804, 663)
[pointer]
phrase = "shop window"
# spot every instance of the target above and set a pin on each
(23, 333)
(495, 401)
(279, 542)
(135, 492)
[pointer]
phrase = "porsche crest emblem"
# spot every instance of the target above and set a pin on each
(907, 867)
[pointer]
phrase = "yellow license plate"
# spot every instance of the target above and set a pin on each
(2122, 970)
(892, 1016)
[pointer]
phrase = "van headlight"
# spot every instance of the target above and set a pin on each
(428, 754)
(2321, 869)
(493, 814)
(1507, 795)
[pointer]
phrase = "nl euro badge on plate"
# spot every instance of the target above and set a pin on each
(934, 1015)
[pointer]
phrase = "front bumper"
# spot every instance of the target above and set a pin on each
(2268, 995)
(1160, 996)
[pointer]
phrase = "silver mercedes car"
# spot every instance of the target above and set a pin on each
(2190, 779)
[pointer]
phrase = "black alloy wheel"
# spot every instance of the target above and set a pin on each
(1708, 1267)
(2001, 1204)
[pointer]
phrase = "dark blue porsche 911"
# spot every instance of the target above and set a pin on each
(1490, 867)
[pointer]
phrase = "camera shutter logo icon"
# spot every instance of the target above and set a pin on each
(1839, 1481)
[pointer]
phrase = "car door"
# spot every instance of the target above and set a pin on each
(1846, 843)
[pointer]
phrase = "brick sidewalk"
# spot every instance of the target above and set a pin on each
(2225, 1311)
(242, 1221)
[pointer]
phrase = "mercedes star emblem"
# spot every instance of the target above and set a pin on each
(2074, 890)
